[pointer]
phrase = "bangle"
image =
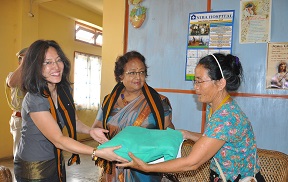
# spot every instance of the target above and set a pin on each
(94, 157)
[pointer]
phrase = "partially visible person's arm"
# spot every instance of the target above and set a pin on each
(194, 136)
(96, 133)
(98, 120)
(168, 122)
(204, 149)
(168, 114)
(97, 124)
(50, 129)
(15, 79)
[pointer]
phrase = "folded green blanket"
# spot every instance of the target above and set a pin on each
(146, 144)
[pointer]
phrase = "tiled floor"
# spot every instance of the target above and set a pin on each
(85, 172)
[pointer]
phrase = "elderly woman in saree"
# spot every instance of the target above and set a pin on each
(131, 103)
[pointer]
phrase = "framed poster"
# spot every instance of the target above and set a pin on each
(208, 33)
(255, 20)
(277, 62)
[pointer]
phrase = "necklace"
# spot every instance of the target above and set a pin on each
(220, 105)
(125, 102)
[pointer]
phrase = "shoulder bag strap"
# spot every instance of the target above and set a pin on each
(220, 170)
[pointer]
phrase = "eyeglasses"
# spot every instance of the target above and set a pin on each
(51, 63)
(135, 73)
(197, 82)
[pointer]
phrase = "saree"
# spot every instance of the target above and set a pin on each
(147, 110)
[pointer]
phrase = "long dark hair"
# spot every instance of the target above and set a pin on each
(32, 79)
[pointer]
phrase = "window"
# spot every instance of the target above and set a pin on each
(87, 81)
(85, 33)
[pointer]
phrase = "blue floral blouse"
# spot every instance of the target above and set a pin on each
(237, 155)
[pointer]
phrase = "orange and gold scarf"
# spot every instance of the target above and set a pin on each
(67, 111)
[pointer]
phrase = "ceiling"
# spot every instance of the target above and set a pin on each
(95, 6)
(92, 5)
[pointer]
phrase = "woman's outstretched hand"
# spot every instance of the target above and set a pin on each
(98, 134)
(136, 163)
(108, 154)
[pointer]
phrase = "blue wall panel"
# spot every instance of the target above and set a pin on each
(269, 117)
(162, 40)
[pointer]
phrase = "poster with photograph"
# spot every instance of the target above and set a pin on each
(277, 61)
(208, 33)
(255, 20)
